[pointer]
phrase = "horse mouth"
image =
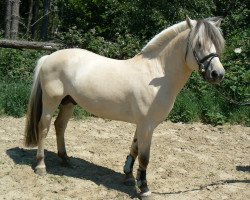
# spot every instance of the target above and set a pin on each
(214, 76)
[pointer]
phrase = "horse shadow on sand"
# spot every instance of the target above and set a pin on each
(78, 168)
(109, 178)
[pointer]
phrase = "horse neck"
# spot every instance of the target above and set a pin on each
(173, 62)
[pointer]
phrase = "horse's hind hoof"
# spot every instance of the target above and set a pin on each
(40, 171)
(129, 180)
(66, 162)
(65, 159)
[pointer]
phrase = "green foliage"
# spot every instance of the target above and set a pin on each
(123, 47)
(240, 115)
(186, 108)
(18, 64)
(212, 107)
(80, 113)
(119, 29)
(14, 98)
(237, 81)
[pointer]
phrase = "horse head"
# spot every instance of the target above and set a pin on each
(204, 48)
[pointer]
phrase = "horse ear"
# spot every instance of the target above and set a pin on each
(215, 20)
(218, 21)
(189, 22)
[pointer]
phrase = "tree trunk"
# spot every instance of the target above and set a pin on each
(30, 16)
(45, 20)
(19, 44)
(54, 18)
(35, 17)
(15, 19)
(8, 18)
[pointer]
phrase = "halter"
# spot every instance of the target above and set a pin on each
(202, 68)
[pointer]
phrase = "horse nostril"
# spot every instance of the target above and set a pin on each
(214, 74)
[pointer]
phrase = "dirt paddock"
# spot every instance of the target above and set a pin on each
(188, 161)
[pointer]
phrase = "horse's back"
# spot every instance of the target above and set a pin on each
(93, 81)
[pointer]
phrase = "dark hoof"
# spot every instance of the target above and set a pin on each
(66, 162)
(40, 171)
(145, 192)
(146, 195)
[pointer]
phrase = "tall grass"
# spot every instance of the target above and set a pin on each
(186, 108)
(14, 98)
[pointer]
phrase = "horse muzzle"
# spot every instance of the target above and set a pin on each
(215, 75)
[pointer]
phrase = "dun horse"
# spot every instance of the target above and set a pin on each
(141, 90)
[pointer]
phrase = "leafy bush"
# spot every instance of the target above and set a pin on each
(121, 47)
(14, 98)
(80, 113)
(119, 29)
(18, 64)
(186, 108)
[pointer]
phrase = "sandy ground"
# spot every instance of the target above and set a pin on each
(188, 161)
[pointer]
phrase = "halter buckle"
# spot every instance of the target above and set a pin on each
(202, 68)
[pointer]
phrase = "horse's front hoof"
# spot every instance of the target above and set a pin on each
(145, 192)
(146, 195)
(129, 180)
(41, 171)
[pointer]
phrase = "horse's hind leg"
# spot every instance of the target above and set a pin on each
(61, 121)
(43, 128)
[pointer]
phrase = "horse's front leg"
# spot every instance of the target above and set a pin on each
(144, 137)
(129, 164)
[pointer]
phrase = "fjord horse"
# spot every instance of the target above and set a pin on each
(141, 90)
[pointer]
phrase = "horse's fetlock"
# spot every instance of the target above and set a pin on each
(142, 183)
(62, 154)
(141, 175)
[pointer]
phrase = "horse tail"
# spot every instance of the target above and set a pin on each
(35, 108)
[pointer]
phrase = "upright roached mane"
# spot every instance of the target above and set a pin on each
(140, 90)
(160, 41)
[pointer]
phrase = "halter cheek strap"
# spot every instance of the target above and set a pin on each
(202, 67)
